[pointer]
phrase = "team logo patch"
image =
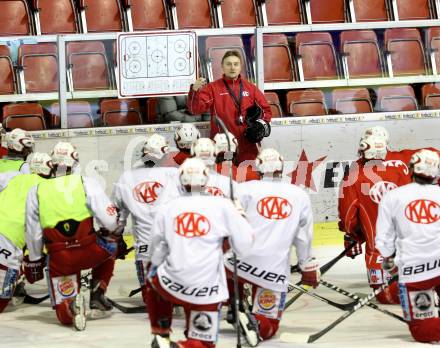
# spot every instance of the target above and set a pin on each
(397, 164)
(267, 300)
(147, 192)
(423, 211)
(422, 301)
(191, 225)
(66, 286)
(202, 322)
(214, 191)
(274, 208)
(379, 189)
(111, 210)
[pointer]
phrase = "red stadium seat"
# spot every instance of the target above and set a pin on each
(15, 18)
(147, 14)
(101, 15)
(361, 51)
(79, 115)
(370, 10)
(317, 55)
(351, 101)
(282, 12)
(274, 103)
(278, 62)
(88, 65)
(413, 9)
(27, 116)
(7, 78)
(55, 17)
(406, 49)
(306, 102)
(40, 67)
(121, 112)
(216, 46)
(191, 14)
(396, 98)
(432, 42)
(431, 96)
(325, 11)
(237, 13)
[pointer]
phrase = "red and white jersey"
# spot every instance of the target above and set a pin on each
(409, 223)
(281, 215)
(193, 228)
(174, 159)
(139, 192)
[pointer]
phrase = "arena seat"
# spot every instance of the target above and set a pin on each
(39, 67)
(431, 96)
(120, 112)
(101, 15)
(27, 116)
(7, 77)
(147, 14)
(325, 11)
(15, 18)
(413, 9)
(406, 49)
(360, 50)
(87, 65)
(274, 103)
(278, 62)
(432, 42)
(55, 17)
(351, 101)
(237, 13)
(396, 98)
(281, 12)
(316, 56)
(191, 14)
(79, 114)
(216, 46)
(370, 10)
(306, 102)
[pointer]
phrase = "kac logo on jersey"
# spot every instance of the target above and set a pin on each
(396, 164)
(191, 225)
(147, 192)
(423, 211)
(274, 208)
(379, 190)
(214, 191)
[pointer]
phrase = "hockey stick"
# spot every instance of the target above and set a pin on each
(356, 297)
(323, 270)
(127, 310)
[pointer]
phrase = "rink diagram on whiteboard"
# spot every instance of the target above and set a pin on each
(156, 63)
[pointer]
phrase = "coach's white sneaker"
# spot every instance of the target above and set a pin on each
(78, 306)
(249, 327)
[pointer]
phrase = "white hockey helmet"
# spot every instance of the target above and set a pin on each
(65, 154)
(186, 135)
(194, 173)
(373, 147)
(40, 163)
(221, 143)
(269, 161)
(425, 163)
(377, 131)
(155, 146)
(204, 148)
(19, 140)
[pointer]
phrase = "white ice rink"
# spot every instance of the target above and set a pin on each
(37, 326)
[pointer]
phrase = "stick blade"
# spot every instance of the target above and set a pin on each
(289, 337)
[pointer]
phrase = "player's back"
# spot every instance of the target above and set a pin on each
(219, 185)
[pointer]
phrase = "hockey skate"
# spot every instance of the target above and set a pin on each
(78, 308)
(99, 304)
(249, 328)
(19, 294)
(163, 342)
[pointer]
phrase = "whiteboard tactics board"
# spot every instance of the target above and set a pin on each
(156, 63)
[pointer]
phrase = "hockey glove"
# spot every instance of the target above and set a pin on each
(310, 272)
(33, 270)
(122, 249)
(389, 266)
(256, 131)
(354, 251)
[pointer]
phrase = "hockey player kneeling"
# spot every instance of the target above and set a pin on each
(59, 216)
(187, 267)
(407, 228)
(281, 215)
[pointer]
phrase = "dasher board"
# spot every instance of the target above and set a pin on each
(156, 63)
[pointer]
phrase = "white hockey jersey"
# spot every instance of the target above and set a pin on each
(220, 185)
(281, 215)
(139, 192)
(409, 224)
(193, 228)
